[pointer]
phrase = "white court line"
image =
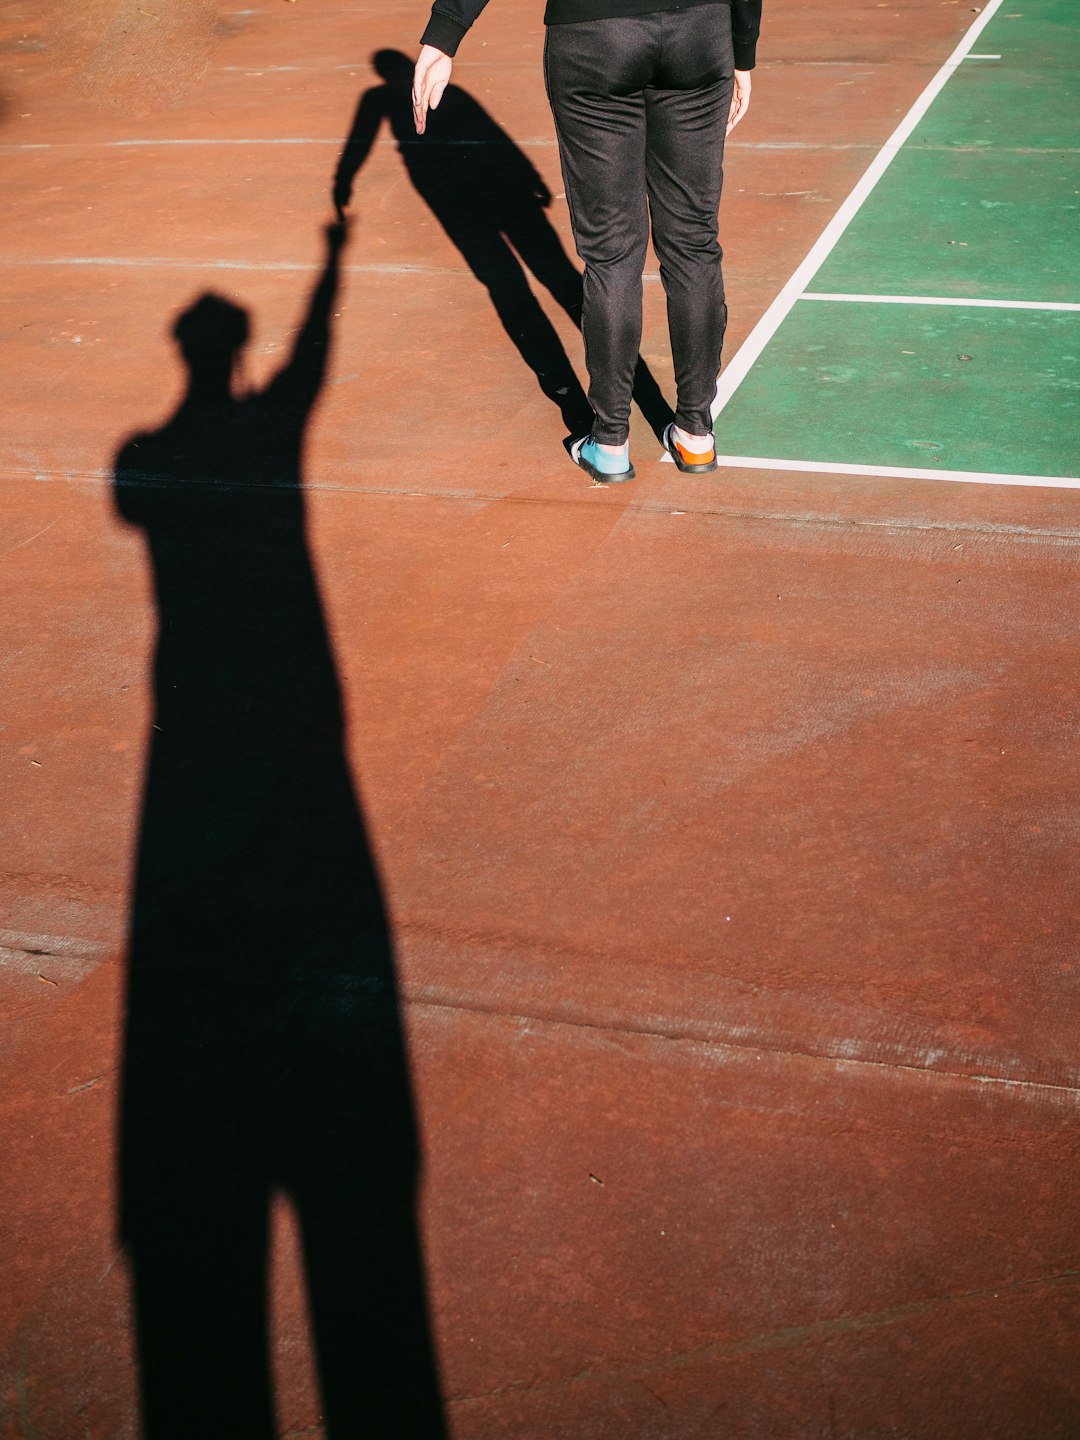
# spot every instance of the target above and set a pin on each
(179, 262)
(734, 374)
(898, 472)
(196, 142)
(941, 300)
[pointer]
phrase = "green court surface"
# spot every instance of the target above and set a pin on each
(886, 385)
(981, 203)
(994, 226)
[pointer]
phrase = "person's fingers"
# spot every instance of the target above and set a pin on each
(740, 103)
(430, 79)
(419, 93)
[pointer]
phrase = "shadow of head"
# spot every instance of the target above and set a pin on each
(211, 335)
(394, 67)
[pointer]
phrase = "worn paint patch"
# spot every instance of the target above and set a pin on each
(56, 959)
(150, 54)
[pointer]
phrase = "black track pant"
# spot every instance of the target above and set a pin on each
(641, 105)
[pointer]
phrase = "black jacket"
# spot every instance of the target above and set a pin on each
(451, 18)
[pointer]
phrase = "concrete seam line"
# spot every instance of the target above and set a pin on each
(1057, 536)
(418, 998)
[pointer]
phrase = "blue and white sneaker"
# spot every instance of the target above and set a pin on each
(605, 469)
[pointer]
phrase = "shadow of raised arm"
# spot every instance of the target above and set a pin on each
(370, 113)
(300, 379)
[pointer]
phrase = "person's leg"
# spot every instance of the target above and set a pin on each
(686, 117)
(596, 71)
(199, 1276)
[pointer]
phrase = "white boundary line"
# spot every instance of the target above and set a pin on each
(941, 300)
(898, 472)
(734, 374)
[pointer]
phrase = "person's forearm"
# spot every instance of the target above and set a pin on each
(745, 28)
(450, 19)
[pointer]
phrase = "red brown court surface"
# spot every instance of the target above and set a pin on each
(724, 827)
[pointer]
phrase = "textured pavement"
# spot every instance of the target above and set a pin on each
(671, 889)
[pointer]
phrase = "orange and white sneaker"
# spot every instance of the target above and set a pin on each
(693, 464)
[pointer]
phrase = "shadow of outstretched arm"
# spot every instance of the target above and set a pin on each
(493, 204)
(297, 384)
(370, 113)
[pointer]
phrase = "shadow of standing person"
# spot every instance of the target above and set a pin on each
(264, 1053)
(492, 202)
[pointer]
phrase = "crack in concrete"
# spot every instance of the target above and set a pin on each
(688, 1035)
(79, 957)
(71, 958)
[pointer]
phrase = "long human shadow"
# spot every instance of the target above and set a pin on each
(263, 1049)
(492, 202)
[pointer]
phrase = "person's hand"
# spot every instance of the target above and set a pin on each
(430, 79)
(740, 100)
(341, 197)
(337, 233)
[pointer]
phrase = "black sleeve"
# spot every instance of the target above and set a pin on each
(449, 21)
(745, 28)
